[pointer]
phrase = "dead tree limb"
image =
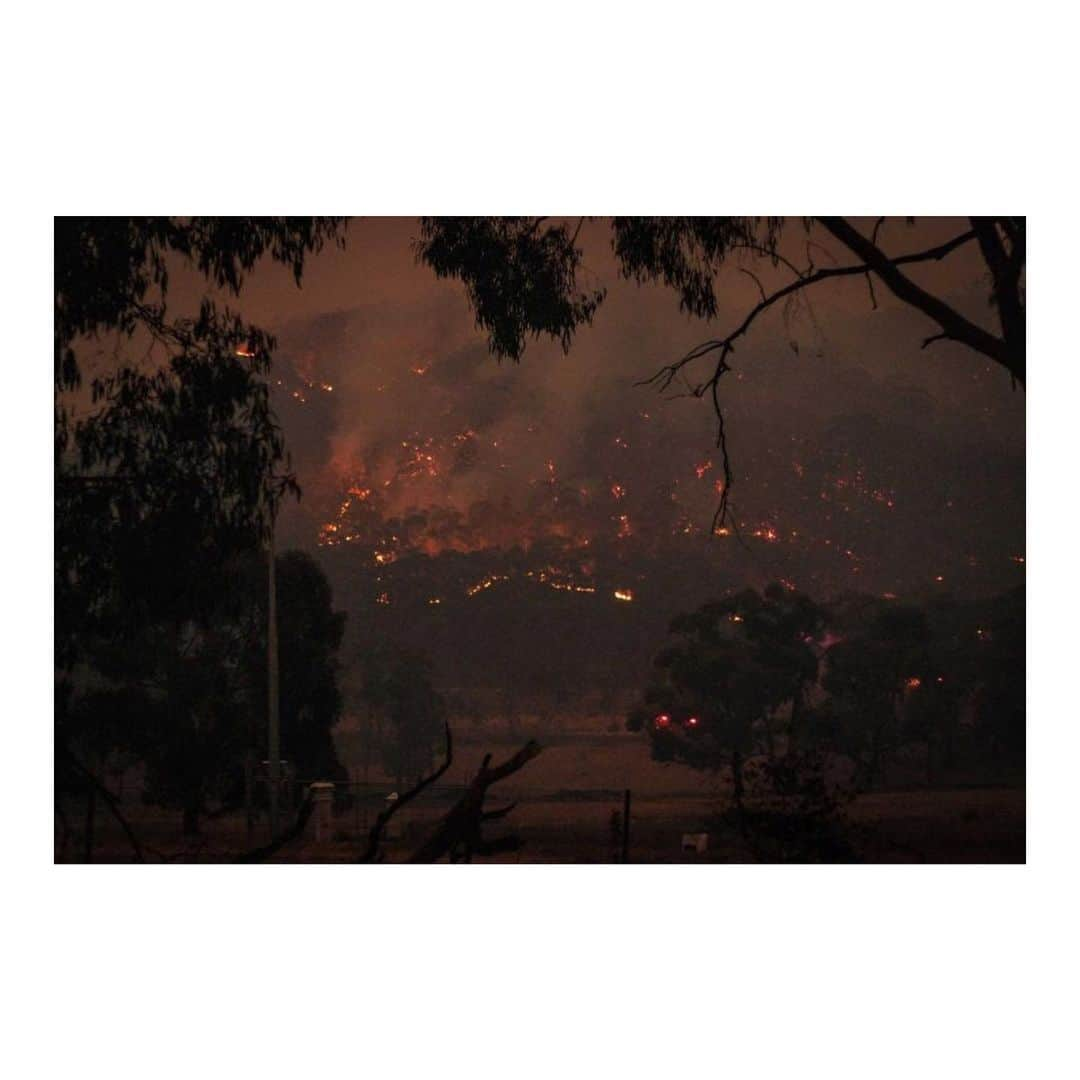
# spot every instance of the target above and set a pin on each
(371, 852)
(458, 836)
(303, 816)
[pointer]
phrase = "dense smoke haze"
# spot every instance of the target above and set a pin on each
(860, 461)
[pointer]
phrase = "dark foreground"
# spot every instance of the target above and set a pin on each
(979, 825)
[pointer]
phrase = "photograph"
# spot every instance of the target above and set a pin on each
(526, 539)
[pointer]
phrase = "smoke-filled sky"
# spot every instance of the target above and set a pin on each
(860, 459)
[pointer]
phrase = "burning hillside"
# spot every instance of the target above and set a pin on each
(408, 461)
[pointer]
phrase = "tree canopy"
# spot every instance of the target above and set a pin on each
(179, 456)
(168, 473)
(864, 677)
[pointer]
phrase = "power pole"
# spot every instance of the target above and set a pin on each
(274, 740)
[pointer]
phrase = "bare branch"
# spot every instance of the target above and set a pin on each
(260, 854)
(663, 378)
(934, 337)
(951, 321)
(375, 837)
(754, 278)
(459, 834)
(725, 345)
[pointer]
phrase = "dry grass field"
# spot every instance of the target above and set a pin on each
(567, 797)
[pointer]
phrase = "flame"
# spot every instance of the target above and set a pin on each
(550, 577)
(486, 583)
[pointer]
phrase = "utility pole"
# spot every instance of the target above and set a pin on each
(274, 740)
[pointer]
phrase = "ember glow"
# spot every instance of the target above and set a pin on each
(486, 583)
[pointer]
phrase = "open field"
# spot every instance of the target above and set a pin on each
(566, 799)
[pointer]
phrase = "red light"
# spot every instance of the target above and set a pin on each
(663, 720)
(692, 722)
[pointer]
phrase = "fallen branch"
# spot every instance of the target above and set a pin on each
(459, 834)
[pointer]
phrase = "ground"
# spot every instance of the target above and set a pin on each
(567, 797)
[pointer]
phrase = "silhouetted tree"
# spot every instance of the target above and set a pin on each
(170, 466)
(176, 458)
(868, 675)
(1001, 698)
(734, 664)
(397, 687)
